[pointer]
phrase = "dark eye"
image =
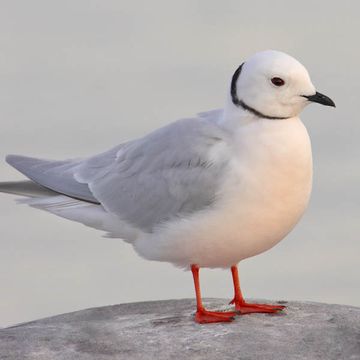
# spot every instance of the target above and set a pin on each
(277, 81)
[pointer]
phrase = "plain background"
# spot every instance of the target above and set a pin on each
(77, 77)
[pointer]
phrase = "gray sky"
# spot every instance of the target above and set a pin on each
(77, 77)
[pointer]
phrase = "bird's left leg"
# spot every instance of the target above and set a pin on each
(247, 308)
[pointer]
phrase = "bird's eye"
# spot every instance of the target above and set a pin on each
(277, 81)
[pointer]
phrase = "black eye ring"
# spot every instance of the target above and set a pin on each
(277, 81)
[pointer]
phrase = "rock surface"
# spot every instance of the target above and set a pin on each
(166, 330)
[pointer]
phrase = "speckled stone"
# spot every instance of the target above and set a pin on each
(166, 330)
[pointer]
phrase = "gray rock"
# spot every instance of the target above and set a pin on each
(166, 330)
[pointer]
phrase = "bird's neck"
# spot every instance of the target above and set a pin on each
(235, 117)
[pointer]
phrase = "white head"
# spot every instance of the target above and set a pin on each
(272, 84)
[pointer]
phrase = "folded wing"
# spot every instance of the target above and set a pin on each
(54, 175)
(167, 174)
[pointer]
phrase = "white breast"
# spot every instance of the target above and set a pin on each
(266, 189)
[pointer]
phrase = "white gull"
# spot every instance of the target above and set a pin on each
(207, 191)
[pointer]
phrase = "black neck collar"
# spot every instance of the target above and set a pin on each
(237, 102)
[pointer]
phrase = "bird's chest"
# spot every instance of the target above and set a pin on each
(271, 179)
(268, 186)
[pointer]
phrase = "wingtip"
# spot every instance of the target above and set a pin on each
(16, 161)
(11, 159)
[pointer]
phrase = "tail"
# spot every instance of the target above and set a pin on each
(89, 214)
(25, 188)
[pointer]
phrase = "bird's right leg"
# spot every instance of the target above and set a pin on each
(247, 308)
(202, 315)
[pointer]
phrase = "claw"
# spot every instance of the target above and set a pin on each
(207, 317)
(246, 308)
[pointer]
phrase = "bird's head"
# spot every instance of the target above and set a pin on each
(273, 85)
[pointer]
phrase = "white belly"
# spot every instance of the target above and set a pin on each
(265, 192)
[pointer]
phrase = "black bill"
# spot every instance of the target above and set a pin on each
(320, 98)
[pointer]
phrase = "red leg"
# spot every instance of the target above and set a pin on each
(202, 315)
(246, 308)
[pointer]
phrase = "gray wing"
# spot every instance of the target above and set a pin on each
(59, 175)
(167, 173)
(55, 175)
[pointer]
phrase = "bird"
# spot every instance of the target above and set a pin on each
(206, 191)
